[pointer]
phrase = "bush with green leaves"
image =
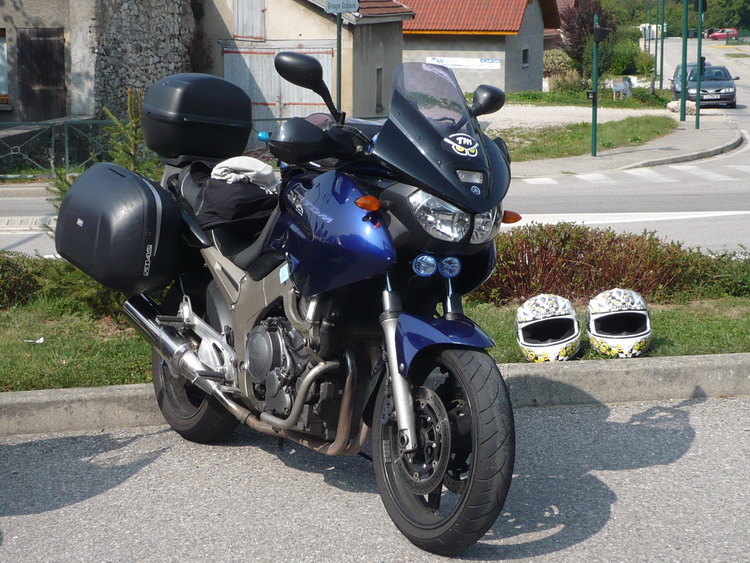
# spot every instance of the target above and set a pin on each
(578, 262)
(569, 81)
(644, 62)
(124, 145)
(556, 61)
(24, 278)
(77, 292)
(624, 54)
(732, 273)
(19, 278)
(645, 97)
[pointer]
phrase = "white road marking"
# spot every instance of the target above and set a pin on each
(539, 181)
(741, 167)
(702, 173)
(650, 175)
(612, 218)
(596, 178)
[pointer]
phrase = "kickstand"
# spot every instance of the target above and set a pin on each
(281, 443)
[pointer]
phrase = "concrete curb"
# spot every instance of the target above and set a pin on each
(628, 380)
(566, 383)
(732, 144)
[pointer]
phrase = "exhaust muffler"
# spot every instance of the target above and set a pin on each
(180, 353)
(178, 350)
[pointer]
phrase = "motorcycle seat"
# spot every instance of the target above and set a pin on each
(234, 216)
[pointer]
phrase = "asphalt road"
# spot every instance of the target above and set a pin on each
(631, 482)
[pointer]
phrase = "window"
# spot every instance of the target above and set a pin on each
(250, 19)
(525, 58)
(3, 69)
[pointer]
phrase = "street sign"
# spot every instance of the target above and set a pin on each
(341, 6)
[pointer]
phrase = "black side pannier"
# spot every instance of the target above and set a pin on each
(196, 115)
(120, 228)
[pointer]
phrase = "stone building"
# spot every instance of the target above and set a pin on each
(72, 57)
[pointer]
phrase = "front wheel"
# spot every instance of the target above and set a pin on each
(444, 496)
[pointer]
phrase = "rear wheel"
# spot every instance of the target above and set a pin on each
(444, 496)
(190, 412)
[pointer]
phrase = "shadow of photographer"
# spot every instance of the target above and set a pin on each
(44, 475)
(556, 500)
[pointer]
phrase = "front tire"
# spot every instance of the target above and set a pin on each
(446, 495)
(190, 412)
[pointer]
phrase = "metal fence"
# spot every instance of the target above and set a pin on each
(743, 38)
(39, 149)
(34, 149)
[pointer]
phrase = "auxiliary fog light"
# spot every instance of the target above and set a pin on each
(450, 266)
(424, 265)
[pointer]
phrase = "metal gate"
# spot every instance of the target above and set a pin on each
(272, 97)
(41, 71)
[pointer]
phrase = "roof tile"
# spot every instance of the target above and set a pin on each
(466, 15)
(474, 16)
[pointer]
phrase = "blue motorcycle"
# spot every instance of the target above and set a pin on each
(326, 309)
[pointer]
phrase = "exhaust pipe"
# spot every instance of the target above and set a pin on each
(180, 354)
(177, 350)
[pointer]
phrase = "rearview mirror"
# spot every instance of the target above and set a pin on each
(487, 99)
(300, 70)
(307, 72)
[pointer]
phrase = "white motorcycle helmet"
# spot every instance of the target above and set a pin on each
(619, 323)
(547, 329)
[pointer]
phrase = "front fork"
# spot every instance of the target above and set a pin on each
(402, 397)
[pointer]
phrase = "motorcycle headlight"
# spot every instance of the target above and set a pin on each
(486, 225)
(439, 218)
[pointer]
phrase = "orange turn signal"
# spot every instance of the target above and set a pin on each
(511, 216)
(368, 203)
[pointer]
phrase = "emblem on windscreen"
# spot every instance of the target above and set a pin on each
(462, 144)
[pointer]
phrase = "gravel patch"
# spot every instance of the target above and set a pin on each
(533, 117)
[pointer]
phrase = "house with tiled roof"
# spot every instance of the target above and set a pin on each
(499, 42)
(241, 38)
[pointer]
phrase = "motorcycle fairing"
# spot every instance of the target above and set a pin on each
(415, 333)
(328, 241)
(430, 134)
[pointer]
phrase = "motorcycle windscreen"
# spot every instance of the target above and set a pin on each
(431, 137)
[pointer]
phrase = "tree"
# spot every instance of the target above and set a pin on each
(577, 27)
(728, 13)
(625, 12)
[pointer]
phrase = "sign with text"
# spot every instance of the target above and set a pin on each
(459, 62)
(341, 6)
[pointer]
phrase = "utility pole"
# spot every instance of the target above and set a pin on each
(661, 55)
(600, 34)
(683, 77)
(701, 65)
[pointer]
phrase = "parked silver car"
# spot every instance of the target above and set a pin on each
(717, 87)
(676, 78)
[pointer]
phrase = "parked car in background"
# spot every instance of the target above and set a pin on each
(717, 86)
(724, 33)
(676, 78)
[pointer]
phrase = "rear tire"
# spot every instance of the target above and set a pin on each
(190, 412)
(446, 495)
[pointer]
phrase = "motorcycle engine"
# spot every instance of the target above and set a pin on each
(275, 359)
